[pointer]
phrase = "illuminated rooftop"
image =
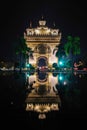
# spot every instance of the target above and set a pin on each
(42, 33)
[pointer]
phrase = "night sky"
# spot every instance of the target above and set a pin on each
(69, 17)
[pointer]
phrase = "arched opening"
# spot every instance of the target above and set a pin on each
(42, 66)
(42, 62)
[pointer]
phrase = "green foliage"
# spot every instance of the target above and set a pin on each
(23, 51)
(54, 74)
(54, 65)
(72, 46)
(59, 51)
(29, 53)
(21, 47)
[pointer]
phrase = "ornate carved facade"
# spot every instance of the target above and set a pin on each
(42, 40)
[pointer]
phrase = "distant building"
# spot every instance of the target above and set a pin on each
(6, 65)
(42, 40)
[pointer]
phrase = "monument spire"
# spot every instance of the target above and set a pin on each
(30, 24)
(42, 17)
(54, 24)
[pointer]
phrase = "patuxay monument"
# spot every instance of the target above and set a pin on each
(42, 40)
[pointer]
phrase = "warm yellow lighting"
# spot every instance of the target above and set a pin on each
(29, 107)
(54, 107)
(46, 37)
(42, 116)
(37, 31)
(42, 22)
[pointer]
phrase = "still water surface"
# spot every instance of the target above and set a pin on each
(34, 96)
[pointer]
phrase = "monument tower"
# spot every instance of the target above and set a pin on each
(42, 40)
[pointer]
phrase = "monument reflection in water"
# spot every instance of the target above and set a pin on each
(42, 96)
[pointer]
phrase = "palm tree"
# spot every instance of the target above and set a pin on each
(72, 47)
(59, 51)
(29, 54)
(22, 50)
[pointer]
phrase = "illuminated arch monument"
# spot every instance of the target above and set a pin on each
(42, 98)
(42, 40)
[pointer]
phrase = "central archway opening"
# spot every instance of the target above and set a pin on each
(42, 62)
(42, 65)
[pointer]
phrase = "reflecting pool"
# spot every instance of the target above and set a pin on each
(43, 95)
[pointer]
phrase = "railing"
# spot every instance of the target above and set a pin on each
(57, 39)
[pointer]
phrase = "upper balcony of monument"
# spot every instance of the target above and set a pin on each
(42, 33)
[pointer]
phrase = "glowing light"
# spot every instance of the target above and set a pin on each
(27, 65)
(42, 22)
(29, 107)
(61, 63)
(28, 74)
(65, 82)
(60, 77)
(37, 31)
(42, 116)
(42, 34)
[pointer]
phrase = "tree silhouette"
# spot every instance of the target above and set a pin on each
(22, 50)
(59, 52)
(72, 47)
